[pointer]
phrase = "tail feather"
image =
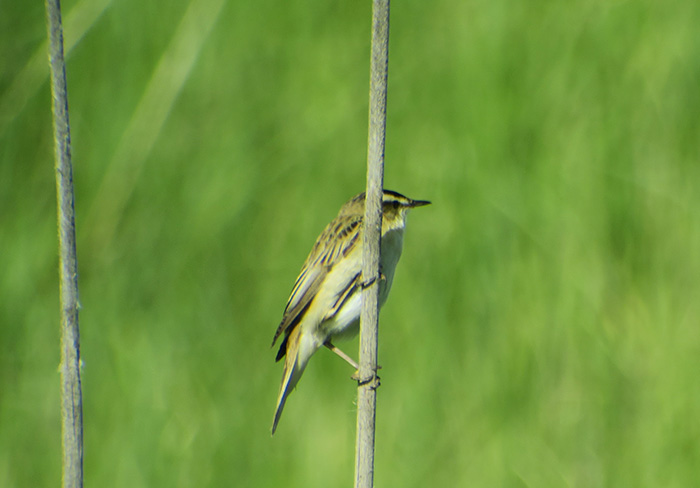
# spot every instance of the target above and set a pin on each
(293, 369)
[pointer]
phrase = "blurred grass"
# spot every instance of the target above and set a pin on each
(543, 327)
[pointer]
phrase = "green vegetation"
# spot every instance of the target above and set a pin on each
(544, 326)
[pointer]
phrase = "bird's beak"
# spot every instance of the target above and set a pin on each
(418, 203)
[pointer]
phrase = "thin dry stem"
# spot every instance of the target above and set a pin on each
(367, 375)
(71, 393)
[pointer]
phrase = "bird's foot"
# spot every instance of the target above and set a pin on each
(370, 282)
(372, 380)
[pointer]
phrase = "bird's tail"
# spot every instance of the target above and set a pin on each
(294, 366)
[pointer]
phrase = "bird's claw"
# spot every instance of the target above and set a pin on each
(372, 380)
(370, 282)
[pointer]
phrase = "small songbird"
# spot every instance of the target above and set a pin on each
(325, 303)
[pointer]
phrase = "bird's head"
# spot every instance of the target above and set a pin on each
(395, 207)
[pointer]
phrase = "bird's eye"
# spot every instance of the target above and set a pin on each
(395, 204)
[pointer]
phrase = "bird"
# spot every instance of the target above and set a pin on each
(325, 302)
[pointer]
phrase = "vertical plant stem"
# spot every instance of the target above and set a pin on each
(369, 331)
(71, 394)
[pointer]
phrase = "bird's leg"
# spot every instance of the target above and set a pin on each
(374, 379)
(340, 353)
(356, 375)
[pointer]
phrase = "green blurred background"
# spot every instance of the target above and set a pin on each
(544, 326)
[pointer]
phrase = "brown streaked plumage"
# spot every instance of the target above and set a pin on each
(325, 300)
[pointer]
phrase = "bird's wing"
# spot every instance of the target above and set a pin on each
(336, 241)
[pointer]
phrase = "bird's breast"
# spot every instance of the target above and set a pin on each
(392, 245)
(344, 324)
